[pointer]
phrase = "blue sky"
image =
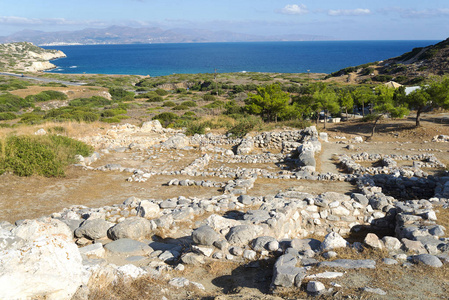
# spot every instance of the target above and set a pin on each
(343, 20)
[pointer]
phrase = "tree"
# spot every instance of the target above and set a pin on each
(363, 95)
(418, 99)
(346, 100)
(269, 102)
(326, 99)
(438, 91)
(384, 104)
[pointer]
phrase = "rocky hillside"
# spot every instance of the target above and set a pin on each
(26, 57)
(410, 68)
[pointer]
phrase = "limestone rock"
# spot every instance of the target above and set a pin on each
(349, 264)
(93, 229)
(178, 141)
(30, 230)
(205, 235)
(128, 247)
(148, 210)
(49, 266)
(243, 234)
(373, 241)
(333, 241)
(428, 259)
(133, 228)
(315, 287)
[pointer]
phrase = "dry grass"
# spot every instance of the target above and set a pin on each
(443, 218)
(72, 92)
(71, 129)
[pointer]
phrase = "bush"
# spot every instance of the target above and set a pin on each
(169, 104)
(181, 107)
(31, 119)
(208, 97)
(166, 118)
(46, 96)
(189, 103)
(7, 116)
(245, 126)
(155, 99)
(9, 103)
(94, 101)
(113, 112)
(79, 114)
(195, 128)
(119, 94)
(181, 91)
(215, 104)
(41, 155)
(161, 92)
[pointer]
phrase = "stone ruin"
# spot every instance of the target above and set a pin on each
(71, 247)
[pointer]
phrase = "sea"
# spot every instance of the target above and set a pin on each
(189, 58)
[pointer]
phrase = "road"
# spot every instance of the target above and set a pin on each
(43, 79)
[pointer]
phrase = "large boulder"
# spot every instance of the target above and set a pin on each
(153, 125)
(45, 264)
(243, 234)
(205, 235)
(133, 228)
(148, 210)
(333, 241)
(30, 230)
(178, 141)
(93, 229)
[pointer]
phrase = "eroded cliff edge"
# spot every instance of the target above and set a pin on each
(26, 57)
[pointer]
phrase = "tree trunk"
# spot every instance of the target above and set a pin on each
(325, 118)
(363, 109)
(375, 124)
(418, 117)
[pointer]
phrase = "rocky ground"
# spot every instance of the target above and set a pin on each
(285, 214)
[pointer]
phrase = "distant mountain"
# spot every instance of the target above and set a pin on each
(144, 35)
(410, 68)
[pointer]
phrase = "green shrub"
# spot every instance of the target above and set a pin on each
(79, 114)
(166, 118)
(41, 155)
(181, 107)
(195, 128)
(188, 114)
(46, 96)
(161, 92)
(31, 119)
(169, 104)
(9, 103)
(215, 104)
(208, 97)
(7, 116)
(119, 94)
(181, 91)
(245, 126)
(113, 112)
(189, 103)
(94, 101)
(155, 99)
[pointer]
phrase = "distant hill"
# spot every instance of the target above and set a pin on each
(410, 68)
(26, 57)
(146, 35)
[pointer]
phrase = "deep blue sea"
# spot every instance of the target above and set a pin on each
(283, 57)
